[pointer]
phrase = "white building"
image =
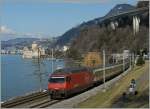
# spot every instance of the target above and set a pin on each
(42, 51)
(3, 51)
(34, 46)
(35, 51)
(27, 53)
(117, 57)
(126, 53)
(65, 48)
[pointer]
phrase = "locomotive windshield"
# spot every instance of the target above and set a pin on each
(57, 80)
(61, 71)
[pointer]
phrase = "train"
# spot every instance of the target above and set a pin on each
(65, 82)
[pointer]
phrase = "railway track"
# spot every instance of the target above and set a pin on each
(36, 100)
(43, 104)
(22, 100)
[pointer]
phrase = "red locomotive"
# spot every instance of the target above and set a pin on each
(67, 81)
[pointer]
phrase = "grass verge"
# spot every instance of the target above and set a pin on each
(110, 96)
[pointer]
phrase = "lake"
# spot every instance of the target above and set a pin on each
(20, 76)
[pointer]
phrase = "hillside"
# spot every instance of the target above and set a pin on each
(74, 32)
(95, 38)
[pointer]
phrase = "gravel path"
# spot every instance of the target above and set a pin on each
(74, 101)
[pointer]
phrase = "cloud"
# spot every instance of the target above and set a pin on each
(6, 30)
(7, 33)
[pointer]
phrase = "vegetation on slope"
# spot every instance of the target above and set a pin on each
(95, 38)
(112, 96)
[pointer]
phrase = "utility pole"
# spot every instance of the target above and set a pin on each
(52, 60)
(104, 69)
(123, 62)
(40, 75)
(130, 57)
(38, 64)
(133, 60)
(113, 59)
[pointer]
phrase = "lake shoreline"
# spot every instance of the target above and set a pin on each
(20, 76)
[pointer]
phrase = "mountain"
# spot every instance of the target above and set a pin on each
(66, 37)
(22, 42)
(17, 42)
(74, 32)
(120, 8)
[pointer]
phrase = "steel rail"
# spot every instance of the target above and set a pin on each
(23, 100)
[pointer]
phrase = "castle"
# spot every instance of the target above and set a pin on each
(35, 51)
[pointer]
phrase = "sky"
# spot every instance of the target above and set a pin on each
(49, 18)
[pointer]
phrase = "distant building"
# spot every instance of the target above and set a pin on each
(13, 52)
(19, 51)
(3, 51)
(126, 53)
(65, 48)
(119, 56)
(93, 59)
(42, 51)
(27, 53)
(34, 46)
(35, 52)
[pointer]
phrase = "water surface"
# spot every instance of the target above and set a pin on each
(20, 76)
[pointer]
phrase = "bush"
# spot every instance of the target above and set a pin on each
(73, 53)
(140, 61)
